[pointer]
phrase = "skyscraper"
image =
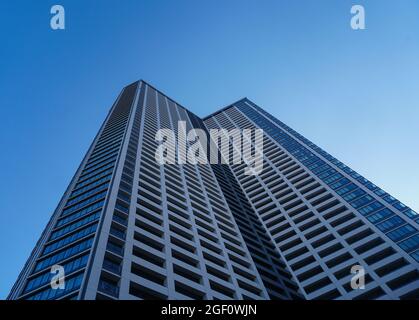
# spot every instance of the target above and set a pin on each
(323, 217)
(130, 228)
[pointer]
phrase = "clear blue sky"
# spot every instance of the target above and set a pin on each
(354, 93)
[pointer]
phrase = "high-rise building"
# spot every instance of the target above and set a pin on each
(323, 217)
(128, 227)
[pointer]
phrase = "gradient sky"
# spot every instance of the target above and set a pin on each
(354, 93)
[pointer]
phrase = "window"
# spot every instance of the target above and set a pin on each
(380, 215)
(346, 189)
(390, 223)
(370, 208)
(70, 239)
(411, 214)
(71, 251)
(361, 201)
(108, 287)
(70, 285)
(46, 277)
(410, 244)
(401, 233)
(354, 194)
(339, 183)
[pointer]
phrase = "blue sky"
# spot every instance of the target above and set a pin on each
(354, 93)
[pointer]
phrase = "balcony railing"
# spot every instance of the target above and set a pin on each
(117, 233)
(111, 266)
(108, 288)
(120, 220)
(115, 249)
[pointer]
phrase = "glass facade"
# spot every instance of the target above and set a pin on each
(322, 216)
(130, 228)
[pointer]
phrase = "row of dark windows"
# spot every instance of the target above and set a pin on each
(183, 232)
(74, 231)
(325, 172)
(284, 195)
(108, 286)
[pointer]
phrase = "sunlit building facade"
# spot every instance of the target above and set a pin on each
(130, 228)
